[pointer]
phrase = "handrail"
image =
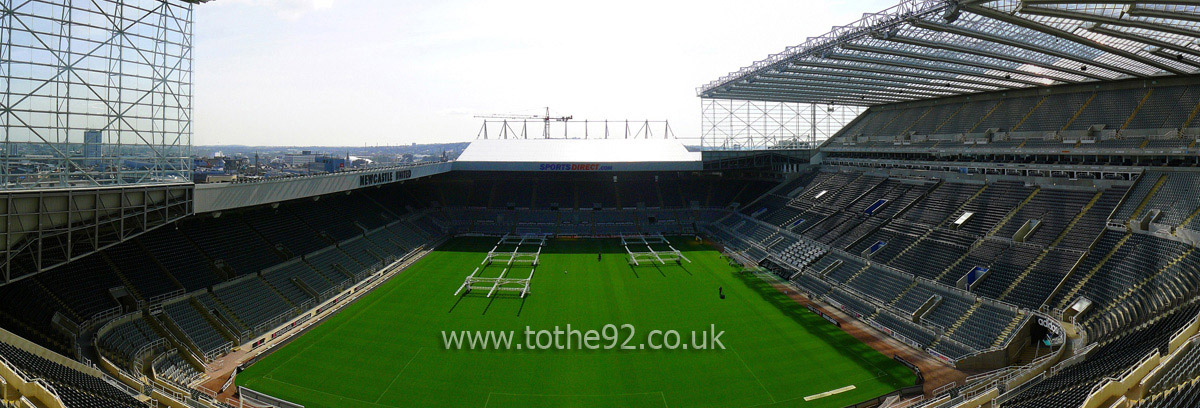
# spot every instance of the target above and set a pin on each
(98, 317)
(15, 369)
(146, 349)
(1123, 374)
(1082, 354)
(895, 334)
(165, 297)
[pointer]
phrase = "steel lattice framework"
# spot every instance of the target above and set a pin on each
(96, 108)
(95, 92)
(733, 124)
(921, 49)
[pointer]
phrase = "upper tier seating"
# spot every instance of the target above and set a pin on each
(1176, 199)
(940, 203)
(171, 249)
(1110, 109)
(229, 241)
(1132, 109)
(991, 206)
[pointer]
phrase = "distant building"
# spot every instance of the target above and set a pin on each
(299, 160)
(332, 164)
(93, 147)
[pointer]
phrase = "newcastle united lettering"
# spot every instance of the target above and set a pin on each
(384, 177)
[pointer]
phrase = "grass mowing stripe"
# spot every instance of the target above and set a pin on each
(389, 347)
(397, 377)
(760, 384)
(374, 292)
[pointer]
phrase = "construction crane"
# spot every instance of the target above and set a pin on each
(546, 119)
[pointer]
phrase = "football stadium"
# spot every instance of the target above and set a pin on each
(946, 203)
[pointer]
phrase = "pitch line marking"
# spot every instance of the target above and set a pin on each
(397, 377)
(490, 394)
(327, 393)
(760, 384)
(828, 393)
(333, 329)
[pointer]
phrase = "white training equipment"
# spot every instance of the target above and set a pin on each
(650, 254)
(516, 256)
(505, 283)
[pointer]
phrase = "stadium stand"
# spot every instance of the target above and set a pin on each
(194, 326)
(1069, 386)
(74, 387)
(124, 340)
(173, 368)
(956, 225)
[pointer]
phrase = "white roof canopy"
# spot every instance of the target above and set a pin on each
(924, 49)
(578, 151)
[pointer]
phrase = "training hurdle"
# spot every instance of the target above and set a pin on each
(651, 255)
(504, 283)
(516, 256)
(493, 285)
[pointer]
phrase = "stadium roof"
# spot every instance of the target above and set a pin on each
(578, 155)
(922, 49)
(578, 151)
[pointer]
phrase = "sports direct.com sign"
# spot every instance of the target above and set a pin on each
(573, 167)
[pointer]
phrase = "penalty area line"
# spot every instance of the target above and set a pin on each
(828, 393)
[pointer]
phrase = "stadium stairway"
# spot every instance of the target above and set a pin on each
(133, 290)
(1071, 225)
(1069, 297)
(1008, 217)
(1008, 330)
(965, 316)
(290, 302)
(1188, 222)
(53, 296)
(962, 207)
(913, 244)
(228, 313)
(903, 292)
(186, 348)
(221, 326)
(1024, 274)
(1113, 303)
(957, 263)
(176, 336)
(1162, 179)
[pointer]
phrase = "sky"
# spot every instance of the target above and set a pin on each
(392, 72)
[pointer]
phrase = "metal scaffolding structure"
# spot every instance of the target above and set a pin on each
(509, 128)
(96, 108)
(95, 93)
(733, 124)
(923, 49)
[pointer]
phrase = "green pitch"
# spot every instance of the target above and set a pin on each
(387, 349)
